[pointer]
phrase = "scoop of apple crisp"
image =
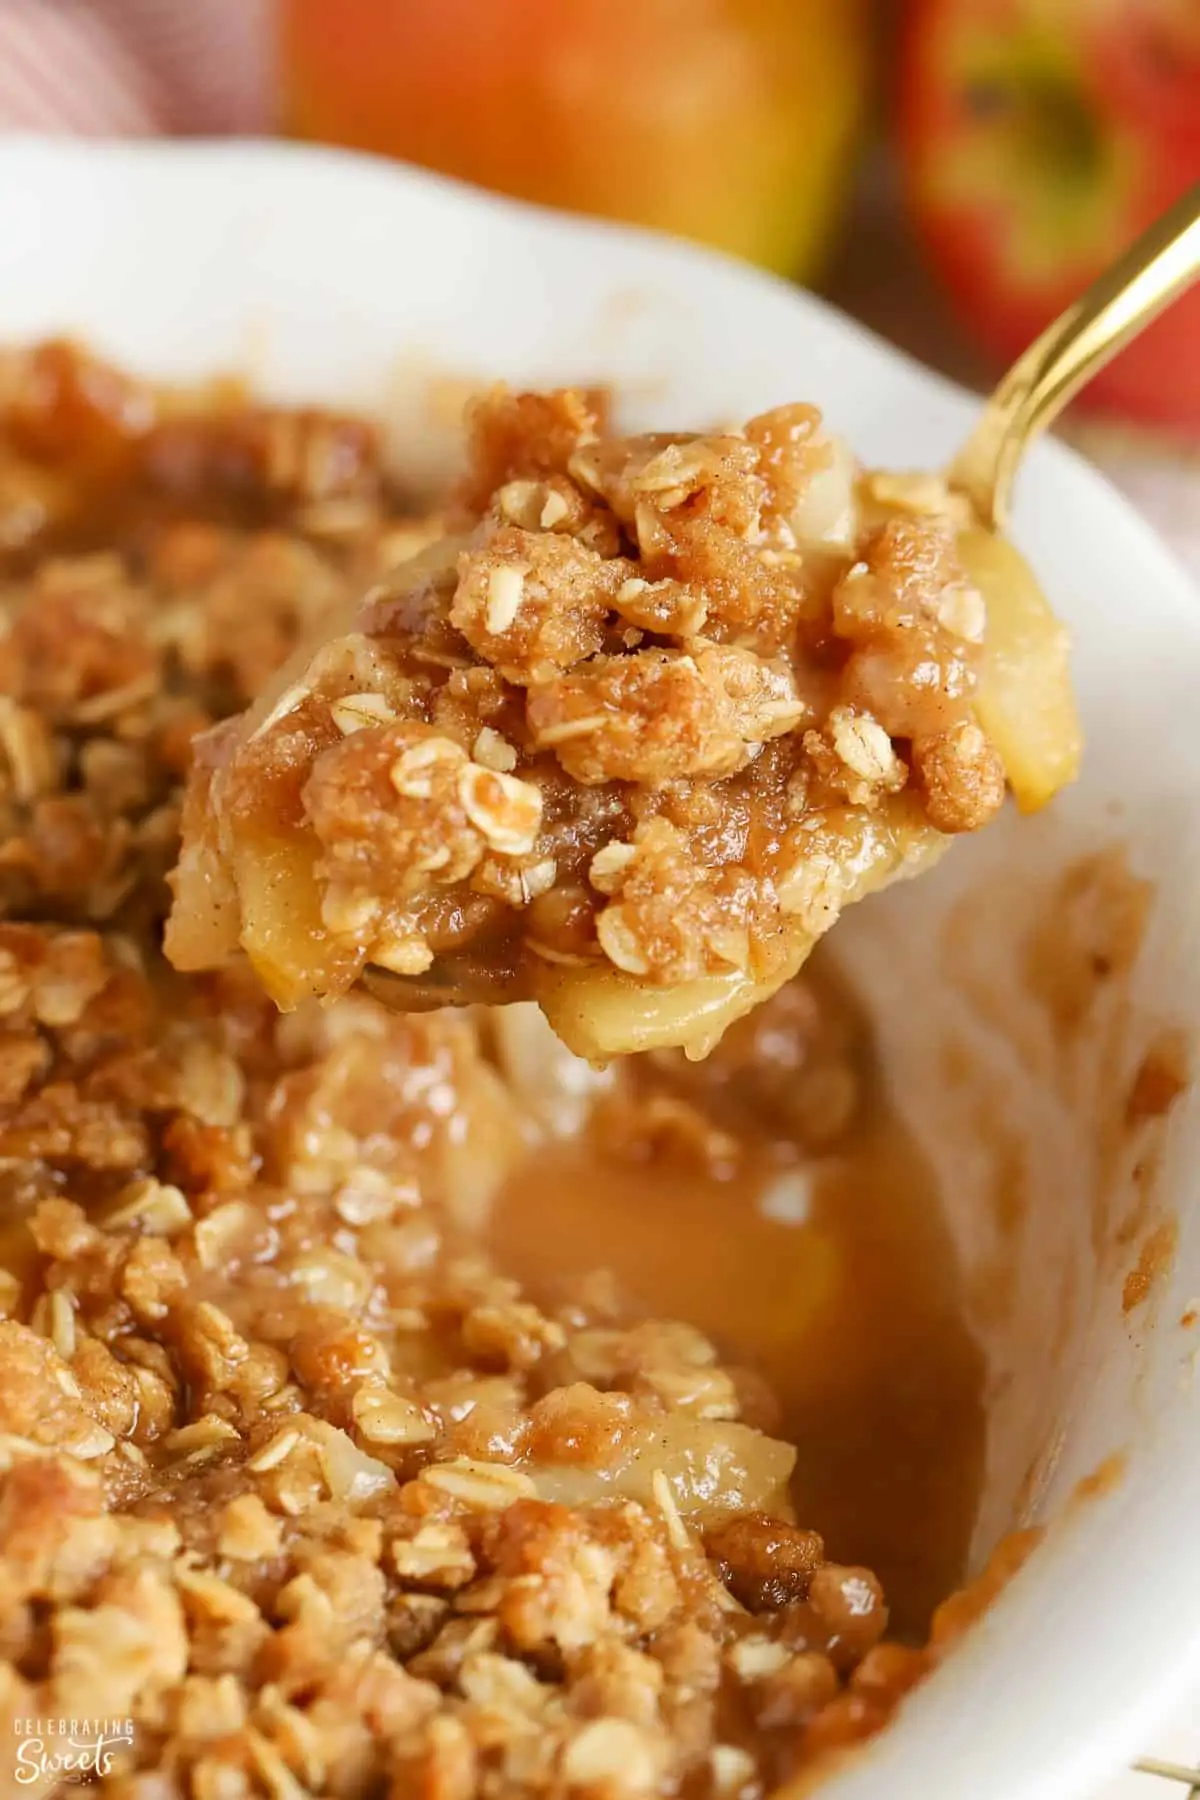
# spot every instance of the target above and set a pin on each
(629, 736)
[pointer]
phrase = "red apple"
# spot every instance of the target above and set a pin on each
(1038, 138)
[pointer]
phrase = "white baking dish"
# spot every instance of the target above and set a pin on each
(336, 278)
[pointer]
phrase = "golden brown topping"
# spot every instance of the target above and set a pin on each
(716, 650)
(525, 436)
(667, 913)
(534, 603)
(962, 776)
(405, 779)
(291, 1474)
(656, 715)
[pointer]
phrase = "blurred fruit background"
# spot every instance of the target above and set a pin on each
(1036, 139)
(952, 171)
(1030, 140)
(734, 121)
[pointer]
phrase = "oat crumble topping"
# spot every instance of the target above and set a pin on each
(297, 1481)
(629, 737)
(290, 1474)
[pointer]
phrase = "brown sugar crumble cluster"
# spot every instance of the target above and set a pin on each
(291, 1475)
(656, 707)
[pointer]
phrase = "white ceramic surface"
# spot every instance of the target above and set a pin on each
(334, 278)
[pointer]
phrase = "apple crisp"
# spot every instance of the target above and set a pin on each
(300, 1473)
(297, 1481)
(627, 738)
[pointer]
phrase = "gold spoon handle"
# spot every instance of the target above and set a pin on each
(1163, 261)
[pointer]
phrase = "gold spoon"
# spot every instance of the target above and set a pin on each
(1024, 702)
(1122, 302)
(1115, 308)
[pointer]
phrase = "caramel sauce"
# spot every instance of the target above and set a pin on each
(849, 1308)
(1154, 1259)
(1104, 1479)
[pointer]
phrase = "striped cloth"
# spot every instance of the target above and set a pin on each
(134, 68)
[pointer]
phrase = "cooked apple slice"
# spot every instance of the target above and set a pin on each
(1025, 702)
